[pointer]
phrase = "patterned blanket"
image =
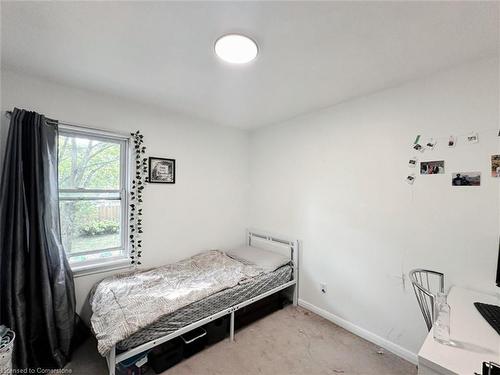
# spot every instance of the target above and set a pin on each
(125, 303)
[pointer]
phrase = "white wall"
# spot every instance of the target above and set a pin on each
(335, 180)
(206, 208)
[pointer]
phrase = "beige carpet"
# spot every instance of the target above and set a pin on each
(289, 341)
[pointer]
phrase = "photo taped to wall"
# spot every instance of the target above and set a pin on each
(495, 165)
(472, 138)
(410, 179)
(412, 162)
(452, 141)
(432, 167)
(466, 179)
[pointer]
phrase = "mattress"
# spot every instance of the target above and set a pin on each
(208, 306)
(125, 303)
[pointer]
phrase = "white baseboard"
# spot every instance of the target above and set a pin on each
(361, 332)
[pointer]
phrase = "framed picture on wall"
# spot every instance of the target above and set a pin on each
(161, 170)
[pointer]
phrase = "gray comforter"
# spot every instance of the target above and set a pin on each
(125, 303)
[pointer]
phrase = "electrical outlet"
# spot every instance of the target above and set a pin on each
(323, 287)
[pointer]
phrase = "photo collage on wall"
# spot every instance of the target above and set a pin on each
(436, 167)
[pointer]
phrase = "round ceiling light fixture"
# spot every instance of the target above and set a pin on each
(236, 49)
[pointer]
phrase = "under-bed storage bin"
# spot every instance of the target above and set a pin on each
(259, 309)
(130, 370)
(217, 330)
(166, 355)
(194, 341)
(136, 365)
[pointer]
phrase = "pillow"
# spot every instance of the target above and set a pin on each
(265, 259)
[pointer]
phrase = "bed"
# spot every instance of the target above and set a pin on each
(202, 309)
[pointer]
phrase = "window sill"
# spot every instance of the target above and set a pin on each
(91, 269)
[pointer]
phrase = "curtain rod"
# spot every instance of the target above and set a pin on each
(72, 124)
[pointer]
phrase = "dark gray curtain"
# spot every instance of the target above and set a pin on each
(37, 296)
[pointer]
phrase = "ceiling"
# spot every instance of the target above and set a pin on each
(312, 54)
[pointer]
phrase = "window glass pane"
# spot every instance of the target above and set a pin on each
(90, 225)
(88, 163)
(96, 258)
(81, 195)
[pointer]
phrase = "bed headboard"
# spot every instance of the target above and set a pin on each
(278, 244)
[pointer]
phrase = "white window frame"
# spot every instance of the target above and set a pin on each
(116, 262)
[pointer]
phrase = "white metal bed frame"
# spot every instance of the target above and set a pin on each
(275, 242)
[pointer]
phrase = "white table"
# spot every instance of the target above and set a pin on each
(475, 340)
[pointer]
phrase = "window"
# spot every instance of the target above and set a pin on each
(93, 194)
